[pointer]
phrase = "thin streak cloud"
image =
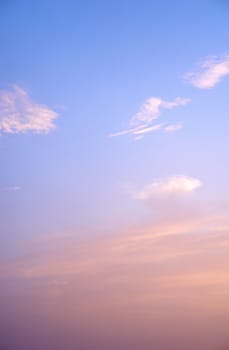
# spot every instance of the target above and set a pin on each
(143, 121)
(173, 127)
(20, 114)
(211, 72)
(12, 188)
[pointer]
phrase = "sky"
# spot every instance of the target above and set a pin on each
(114, 196)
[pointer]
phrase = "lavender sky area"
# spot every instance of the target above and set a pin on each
(114, 195)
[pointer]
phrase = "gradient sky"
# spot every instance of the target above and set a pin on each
(114, 196)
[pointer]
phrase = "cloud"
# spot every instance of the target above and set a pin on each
(12, 188)
(20, 114)
(211, 72)
(174, 185)
(173, 127)
(73, 255)
(143, 121)
(138, 131)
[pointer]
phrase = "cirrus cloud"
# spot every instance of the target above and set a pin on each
(20, 114)
(143, 121)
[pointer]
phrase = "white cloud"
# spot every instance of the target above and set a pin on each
(211, 72)
(174, 185)
(19, 114)
(143, 121)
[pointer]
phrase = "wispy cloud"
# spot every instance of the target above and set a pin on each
(12, 188)
(211, 72)
(20, 114)
(144, 121)
(173, 127)
(174, 185)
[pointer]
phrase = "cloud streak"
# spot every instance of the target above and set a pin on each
(20, 114)
(211, 72)
(144, 121)
(173, 127)
(12, 188)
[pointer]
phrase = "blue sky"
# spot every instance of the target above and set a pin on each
(95, 64)
(76, 74)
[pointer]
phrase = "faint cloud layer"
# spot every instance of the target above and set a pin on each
(132, 280)
(20, 114)
(12, 188)
(211, 72)
(174, 185)
(143, 121)
(173, 127)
